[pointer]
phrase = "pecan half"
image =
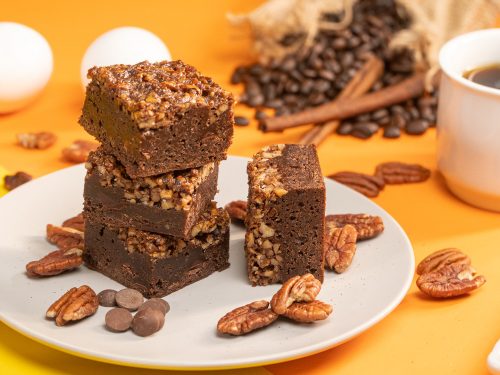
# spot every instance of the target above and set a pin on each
(16, 180)
(367, 226)
(340, 247)
(78, 151)
(303, 288)
(247, 318)
(450, 281)
(237, 210)
(308, 312)
(367, 185)
(75, 222)
(402, 173)
(40, 140)
(75, 304)
(65, 237)
(440, 259)
(55, 263)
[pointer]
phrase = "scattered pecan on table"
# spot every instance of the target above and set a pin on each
(13, 181)
(340, 247)
(308, 312)
(247, 318)
(402, 173)
(65, 237)
(442, 258)
(56, 262)
(367, 226)
(41, 140)
(78, 151)
(75, 222)
(367, 185)
(74, 305)
(237, 210)
(303, 288)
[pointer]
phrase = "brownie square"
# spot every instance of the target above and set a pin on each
(156, 264)
(286, 214)
(158, 117)
(168, 203)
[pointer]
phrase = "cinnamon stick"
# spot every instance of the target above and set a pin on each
(364, 79)
(344, 108)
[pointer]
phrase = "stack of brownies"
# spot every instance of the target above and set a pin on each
(150, 220)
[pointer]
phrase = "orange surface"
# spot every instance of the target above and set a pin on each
(421, 336)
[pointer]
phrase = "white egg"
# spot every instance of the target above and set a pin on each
(123, 45)
(25, 65)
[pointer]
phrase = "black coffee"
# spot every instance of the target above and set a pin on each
(485, 75)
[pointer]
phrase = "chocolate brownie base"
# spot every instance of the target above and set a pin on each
(285, 217)
(158, 117)
(167, 204)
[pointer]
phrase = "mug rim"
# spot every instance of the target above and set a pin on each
(444, 51)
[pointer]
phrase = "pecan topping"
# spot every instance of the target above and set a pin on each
(247, 318)
(308, 312)
(40, 140)
(13, 181)
(65, 237)
(55, 263)
(450, 281)
(367, 226)
(402, 173)
(303, 288)
(367, 185)
(237, 210)
(75, 304)
(340, 247)
(76, 222)
(78, 151)
(440, 259)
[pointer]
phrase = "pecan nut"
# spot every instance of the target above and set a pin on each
(340, 247)
(16, 180)
(450, 281)
(303, 288)
(308, 312)
(41, 140)
(75, 304)
(79, 151)
(237, 210)
(367, 226)
(247, 318)
(402, 173)
(55, 263)
(65, 238)
(75, 222)
(367, 185)
(442, 258)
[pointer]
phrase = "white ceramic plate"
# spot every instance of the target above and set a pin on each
(373, 286)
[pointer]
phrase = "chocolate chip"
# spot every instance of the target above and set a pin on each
(417, 127)
(241, 121)
(147, 321)
(118, 319)
(107, 298)
(130, 299)
(156, 304)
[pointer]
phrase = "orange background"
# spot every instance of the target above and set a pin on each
(421, 336)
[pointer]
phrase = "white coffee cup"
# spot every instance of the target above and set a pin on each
(468, 125)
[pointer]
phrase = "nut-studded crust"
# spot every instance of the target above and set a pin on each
(308, 312)
(367, 226)
(65, 238)
(247, 318)
(55, 263)
(75, 304)
(442, 258)
(303, 288)
(340, 247)
(402, 173)
(367, 185)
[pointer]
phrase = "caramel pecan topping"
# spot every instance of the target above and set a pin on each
(40, 140)
(65, 237)
(303, 288)
(450, 281)
(78, 151)
(237, 210)
(367, 226)
(247, 318)
(308, 312)
(402, 173)
(76, 222)
(75, 304)
(367, 185)
(16, 180)
(340, 247)
(55, 263)
(442, 258)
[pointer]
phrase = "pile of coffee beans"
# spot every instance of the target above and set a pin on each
(314, 76)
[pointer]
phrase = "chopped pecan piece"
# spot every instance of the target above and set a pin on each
(40, 140)
(367, 185)
(64, 237)
(55, 263)
(450, 281)
(78, 151)
(442, 258)
(237, 210)
(402, 173)
(308, 312)
(75, 304)
(303, 288)
(13, 181)
(340, 247)
(76, 222)
(367, 226)
(247, 318)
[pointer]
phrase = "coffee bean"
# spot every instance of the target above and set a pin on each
(118, 319)
(156, 304)
(147, 321)
(107, 298)
(379, 114)
(417, 127)
(241, 121)
(364, 130)
(398, 120)
(344, 128)
(392, 132)
(130, 299)
(260, 115)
